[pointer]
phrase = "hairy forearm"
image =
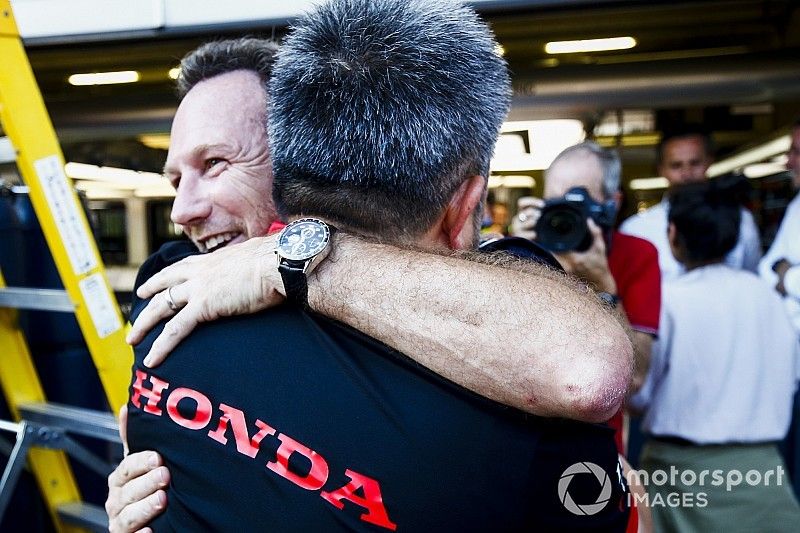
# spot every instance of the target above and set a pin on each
(510, 331)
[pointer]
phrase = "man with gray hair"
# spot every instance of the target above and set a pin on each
(623, 267)
(384, 116)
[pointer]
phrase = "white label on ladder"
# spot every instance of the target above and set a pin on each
(98, 302)
(64, 209)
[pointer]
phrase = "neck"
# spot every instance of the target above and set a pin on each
(691, 265)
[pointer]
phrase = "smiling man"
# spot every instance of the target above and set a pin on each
(217, 157)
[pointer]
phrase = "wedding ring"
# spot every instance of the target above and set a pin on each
(522, 217)
(170, 302)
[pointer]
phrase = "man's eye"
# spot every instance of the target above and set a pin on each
(213, 161)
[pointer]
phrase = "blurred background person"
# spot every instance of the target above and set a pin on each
(683, 156)
(575, 220)
(779, 267)
(495, 217)
(722, 375)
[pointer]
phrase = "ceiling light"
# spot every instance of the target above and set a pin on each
(636, 139)
(110, 183)
(753, 155)
(648, 184)
(545, 140)
(156, 192)
(95, 191)
(155, 140)
(589, 45)
(512, 182)
(176, 71)
(762, 170)
(120, 178)
(104, 78)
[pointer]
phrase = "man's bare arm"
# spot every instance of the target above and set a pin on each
(516, 333)
(507, 329)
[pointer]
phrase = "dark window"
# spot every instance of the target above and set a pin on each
(110, 225)
(160, 228)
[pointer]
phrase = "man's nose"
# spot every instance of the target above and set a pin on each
(687, 172)
(191, 204)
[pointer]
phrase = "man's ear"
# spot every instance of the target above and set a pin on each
(674, 244)
(672, 234)
(458, 224)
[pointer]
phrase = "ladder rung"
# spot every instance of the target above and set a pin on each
(84, 515)
(36, 299)
(6, 425)
(97, 424)
(7, 152)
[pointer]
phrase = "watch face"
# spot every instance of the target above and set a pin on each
(303, 239)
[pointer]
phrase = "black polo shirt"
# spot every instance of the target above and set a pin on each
(289, 421)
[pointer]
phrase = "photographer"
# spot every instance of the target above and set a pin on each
(577, 227)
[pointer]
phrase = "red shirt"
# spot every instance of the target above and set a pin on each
(634, 265)
(275, 227)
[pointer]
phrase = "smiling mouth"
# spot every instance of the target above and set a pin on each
(217, 241)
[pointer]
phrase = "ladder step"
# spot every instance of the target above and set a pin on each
(7, 152)
(85, 515)
(36, 299)
(77, 420)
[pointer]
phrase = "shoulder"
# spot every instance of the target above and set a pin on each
(752, 283)
(636, 245)
(793, 210)
(644, 219)
(523, 249)
(169, 253)
(633, 254)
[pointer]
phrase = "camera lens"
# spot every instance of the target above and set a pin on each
(562, 228)
(564, 223)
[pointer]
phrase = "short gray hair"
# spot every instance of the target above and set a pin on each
(380, 109)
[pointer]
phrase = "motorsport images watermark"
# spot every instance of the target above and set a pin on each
(603, 497)
(684, 482)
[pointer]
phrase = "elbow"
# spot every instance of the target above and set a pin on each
(596, 389)
(595, 404)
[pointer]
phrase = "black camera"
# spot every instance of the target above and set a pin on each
(562, 225)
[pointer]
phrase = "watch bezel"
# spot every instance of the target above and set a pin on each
(284, 251)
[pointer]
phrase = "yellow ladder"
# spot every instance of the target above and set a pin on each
(43, 429)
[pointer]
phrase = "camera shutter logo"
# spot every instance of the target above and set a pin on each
(590, 508)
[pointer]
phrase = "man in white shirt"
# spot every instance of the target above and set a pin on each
(718, 396)
(684, 157)
(780, 267)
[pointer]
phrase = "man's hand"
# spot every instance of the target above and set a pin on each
(238, 279)
(591, 265)
(781, 268)
(136, 488)
(529, 209)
